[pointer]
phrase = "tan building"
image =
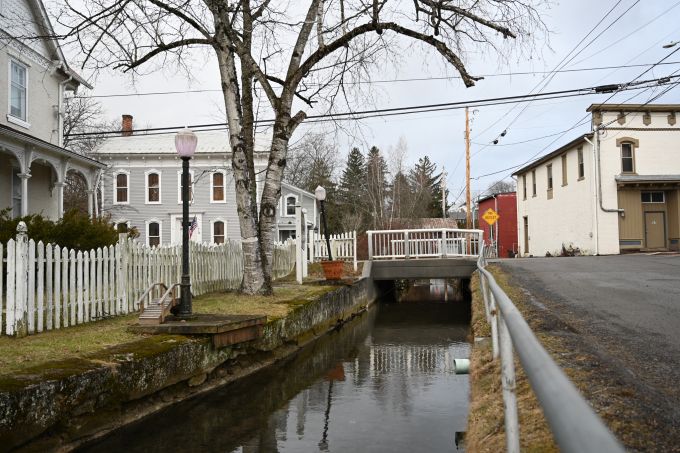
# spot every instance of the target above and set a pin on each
(615, 189)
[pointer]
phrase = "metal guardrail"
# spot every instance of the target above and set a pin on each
(573, 422)
(423, 243)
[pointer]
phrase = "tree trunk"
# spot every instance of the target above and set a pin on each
(272, 193)
(246, 206)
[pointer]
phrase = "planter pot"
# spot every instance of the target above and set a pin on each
(332, 270)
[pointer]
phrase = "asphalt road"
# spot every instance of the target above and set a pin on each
(626, 309)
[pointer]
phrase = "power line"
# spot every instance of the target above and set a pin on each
(360, 115)
(415, 79)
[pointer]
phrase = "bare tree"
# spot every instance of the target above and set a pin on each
(291, 55)
(84, 114)
(312, 161)
(501, 186)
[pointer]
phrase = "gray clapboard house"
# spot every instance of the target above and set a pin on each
(141, 187)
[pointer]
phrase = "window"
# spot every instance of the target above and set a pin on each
(18, 83)
(581, 167)
(191, 186)
(120, 188)
(218, 232)
(16, 192)
(627, 158)
(533, 183)
(153, 234)
(653, 197)
(291, 201)
(218, 187)
(122, 227)
(524, 186)
(153, 187)
(564, 170)
(550, 178)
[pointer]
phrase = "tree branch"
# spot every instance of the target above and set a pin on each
(161, 48)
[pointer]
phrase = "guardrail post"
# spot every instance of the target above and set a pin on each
(508, 383)
(494, 324)
(370, 245)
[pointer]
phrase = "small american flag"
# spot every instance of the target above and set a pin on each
(193, 226)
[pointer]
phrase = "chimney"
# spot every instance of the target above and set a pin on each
(126, 127)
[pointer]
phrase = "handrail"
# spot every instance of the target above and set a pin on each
(146, 293)
(423, 243)
(574, 424)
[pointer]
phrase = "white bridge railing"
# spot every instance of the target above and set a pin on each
(423, 243)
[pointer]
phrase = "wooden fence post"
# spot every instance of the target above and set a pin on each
(20, 315)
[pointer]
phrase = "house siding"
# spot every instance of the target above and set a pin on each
(138, 212)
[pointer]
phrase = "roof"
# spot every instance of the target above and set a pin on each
(22, 136)
(633, 108)
(557, 152)
(209, 142)
(498, 194)
(423, 223)
(297, 189)
(639, 179)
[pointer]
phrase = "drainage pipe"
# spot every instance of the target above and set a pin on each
(461, 366)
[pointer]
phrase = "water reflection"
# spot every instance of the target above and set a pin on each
(383, 383)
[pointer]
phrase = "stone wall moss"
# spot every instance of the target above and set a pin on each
(65, 402)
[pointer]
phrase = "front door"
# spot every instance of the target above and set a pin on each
(655, 230)
(176, 231)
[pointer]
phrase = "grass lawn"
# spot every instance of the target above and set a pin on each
(17, 354)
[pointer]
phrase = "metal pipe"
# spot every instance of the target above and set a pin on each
(573, 422)
(596, 152)
(508, 384)
(461, 366)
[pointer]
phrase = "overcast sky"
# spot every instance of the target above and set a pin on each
(637, 38)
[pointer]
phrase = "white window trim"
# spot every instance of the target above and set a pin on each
(212, 229)
(179, 187)
(11, 118)
(160, 231)
(663, 193)
(284, 209)
(224, 187)
(146, 187)
(115, 187)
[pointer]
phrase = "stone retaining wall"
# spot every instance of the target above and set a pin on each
(62, 404)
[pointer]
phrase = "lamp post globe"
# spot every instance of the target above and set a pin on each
(320, 194)
(185, 145)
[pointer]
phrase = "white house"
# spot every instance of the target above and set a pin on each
(141, 187)
(33, 162)
(615, 189)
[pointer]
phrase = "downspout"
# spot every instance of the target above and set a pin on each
(598, 177)
(495, 208)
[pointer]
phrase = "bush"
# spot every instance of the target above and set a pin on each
(75, 230)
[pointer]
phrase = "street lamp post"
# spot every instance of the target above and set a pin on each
(320, 194)
(185, 144)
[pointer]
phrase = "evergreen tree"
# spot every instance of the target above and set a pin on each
(427, 191)
(376, 186)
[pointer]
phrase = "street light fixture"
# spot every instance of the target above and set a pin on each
(320, 194)
(670, 44)
(185, 144)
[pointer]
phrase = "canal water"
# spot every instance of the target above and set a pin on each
(384, 382)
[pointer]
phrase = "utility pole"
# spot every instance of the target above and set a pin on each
(468, 201)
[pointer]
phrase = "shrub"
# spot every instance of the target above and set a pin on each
(75, 230)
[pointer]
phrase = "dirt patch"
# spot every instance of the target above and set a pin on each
(634, 414)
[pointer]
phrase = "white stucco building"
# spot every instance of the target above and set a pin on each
(33, 162)
(613, 190)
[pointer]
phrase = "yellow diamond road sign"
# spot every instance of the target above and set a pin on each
(490, 216)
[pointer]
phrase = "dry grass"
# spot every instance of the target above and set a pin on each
(17, 354)
(486, 431)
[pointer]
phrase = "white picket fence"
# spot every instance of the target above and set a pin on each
(51, 287)
(343, 246)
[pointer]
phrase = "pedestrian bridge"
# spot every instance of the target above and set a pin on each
(423, 253)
